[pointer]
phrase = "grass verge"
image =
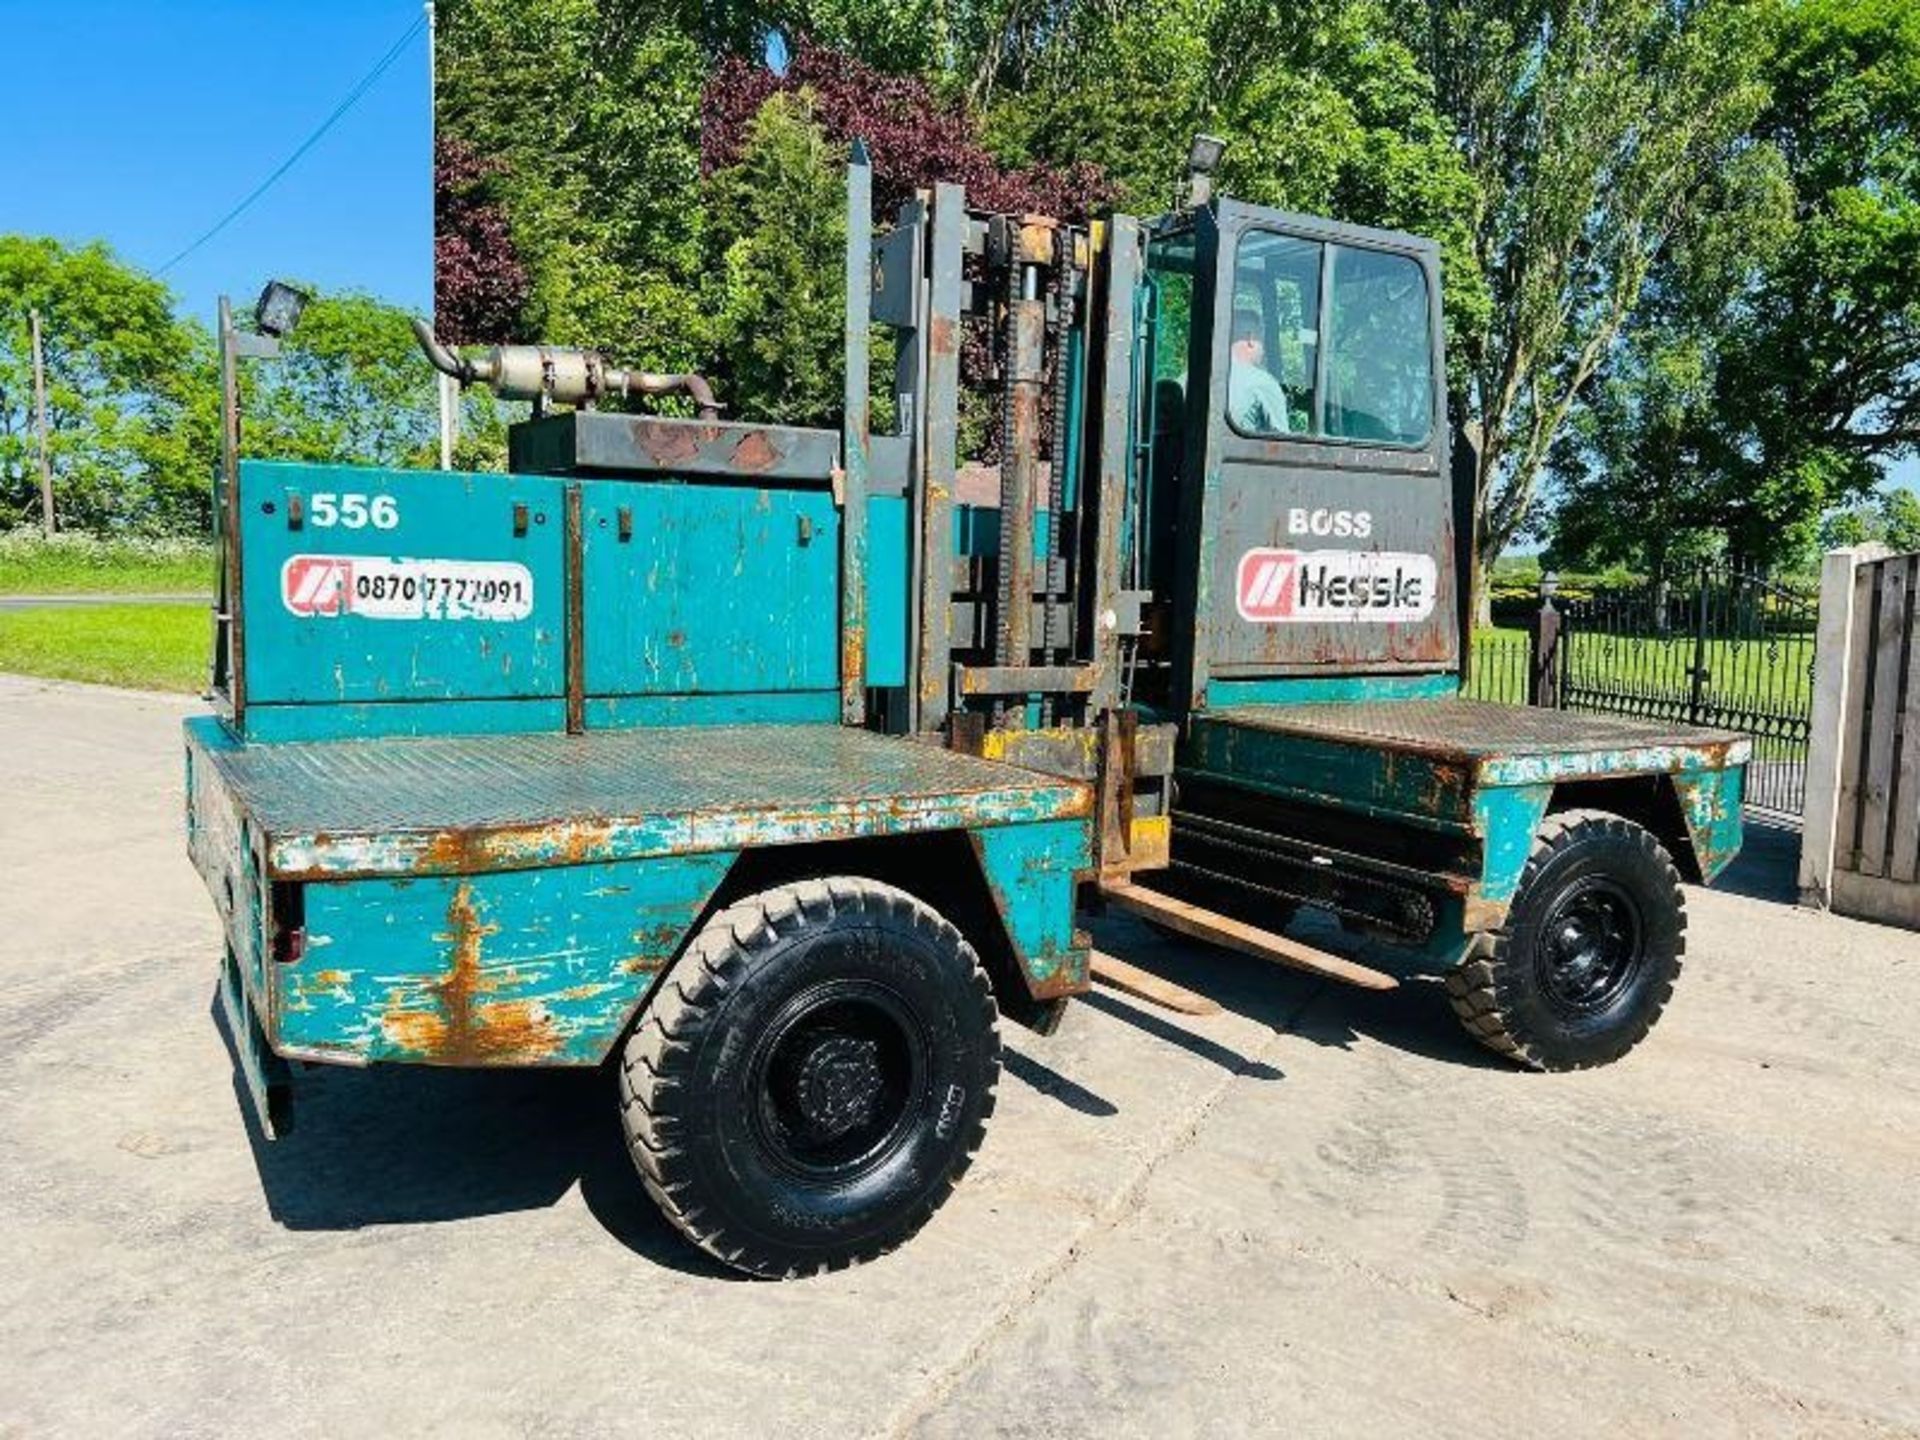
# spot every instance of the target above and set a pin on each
(30, 564)
(144, 647)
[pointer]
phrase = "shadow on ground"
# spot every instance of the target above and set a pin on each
(1415, 1018)
(1767, 867)
(410, 1145)
(413, 1144)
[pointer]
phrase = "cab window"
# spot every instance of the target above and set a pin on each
(1379, 372)
(1364, 371)
(1272, 353)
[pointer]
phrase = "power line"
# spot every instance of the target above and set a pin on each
(353, 96)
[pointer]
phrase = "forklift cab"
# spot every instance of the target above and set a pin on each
(1298, 503)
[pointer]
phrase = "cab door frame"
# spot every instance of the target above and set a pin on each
(1413, 483)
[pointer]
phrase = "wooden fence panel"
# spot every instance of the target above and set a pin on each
(1861, 849)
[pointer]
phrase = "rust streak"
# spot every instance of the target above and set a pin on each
(464, 1028)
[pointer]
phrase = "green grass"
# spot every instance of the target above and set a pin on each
(80, 564)
(145, 647)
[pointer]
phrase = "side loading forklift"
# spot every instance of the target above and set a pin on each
(768, 766)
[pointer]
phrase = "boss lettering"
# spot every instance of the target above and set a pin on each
(1340, 523)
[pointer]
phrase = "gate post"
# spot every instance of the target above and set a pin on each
(1543, 653)
(1832, 665)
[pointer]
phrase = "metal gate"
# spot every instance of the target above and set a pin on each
(1717, 646)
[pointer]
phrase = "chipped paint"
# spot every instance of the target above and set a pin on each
(1032, 872)
(323, 855)
(1710, 803)
(1506, 819)
(537, 967)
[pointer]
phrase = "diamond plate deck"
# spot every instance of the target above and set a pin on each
(1458, 729)
(453, 805)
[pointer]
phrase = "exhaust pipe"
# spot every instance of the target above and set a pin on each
(572, 377)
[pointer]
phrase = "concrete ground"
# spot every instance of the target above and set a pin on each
(1321, 1212)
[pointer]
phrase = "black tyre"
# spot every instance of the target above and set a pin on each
(1590, 951)
(813, 1077)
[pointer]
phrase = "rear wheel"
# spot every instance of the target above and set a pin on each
(814, 1076)
(1590, 952)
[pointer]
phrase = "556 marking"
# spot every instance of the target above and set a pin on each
(351, 510)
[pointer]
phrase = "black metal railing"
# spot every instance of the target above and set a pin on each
(1501, 660)
(1715, 646)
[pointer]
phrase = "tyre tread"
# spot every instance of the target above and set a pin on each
(663, 1041)
(1475, 988)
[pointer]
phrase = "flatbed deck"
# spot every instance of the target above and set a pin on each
(463, 804)
(1500, 744)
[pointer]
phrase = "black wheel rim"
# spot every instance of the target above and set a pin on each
(838, 1080)
(1592, 947)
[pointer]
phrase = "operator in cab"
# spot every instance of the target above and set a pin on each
(1255, 398)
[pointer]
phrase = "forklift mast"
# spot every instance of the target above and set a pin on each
(1075, 531)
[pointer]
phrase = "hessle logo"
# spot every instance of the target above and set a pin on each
(1276, 586)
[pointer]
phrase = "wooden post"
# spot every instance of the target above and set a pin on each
(1543, 654)
(47, 522)
(1832, 704)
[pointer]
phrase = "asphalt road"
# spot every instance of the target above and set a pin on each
(1319, 1213)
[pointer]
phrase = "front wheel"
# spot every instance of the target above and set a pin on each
(813, 1077)
(1590, 952)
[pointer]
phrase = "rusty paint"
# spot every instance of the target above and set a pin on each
(667, 445)
(465, 1028)
(755, 452)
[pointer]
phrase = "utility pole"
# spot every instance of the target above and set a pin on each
(447, 388)
(40, 424)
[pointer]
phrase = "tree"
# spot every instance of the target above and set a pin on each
(913, 138)
(131, 407)
(1800, 299)
(1644, 473)
(351, 388)
(1593, 131)
(480, 287)
(1890, 517)
(1323, 107)
(591, 112)
(778, 222)
(1820, 356)
(1633, 484)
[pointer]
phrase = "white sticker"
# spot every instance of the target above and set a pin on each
(1275, 586)
(383, 589)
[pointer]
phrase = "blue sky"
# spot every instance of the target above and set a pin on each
(145, 123)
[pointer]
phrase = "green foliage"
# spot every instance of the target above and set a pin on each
(131, 406)
(72, 563)
(350, 385)
(593, 111)
(1798, 304)
(1891, 517)
(1820, 360)
(902, 36)
(778, 293)
(1593, 132)
(1323, 108)
(1633, 482)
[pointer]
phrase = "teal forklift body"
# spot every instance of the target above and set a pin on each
(390, 602)
(510, 900)
(1475, 779)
